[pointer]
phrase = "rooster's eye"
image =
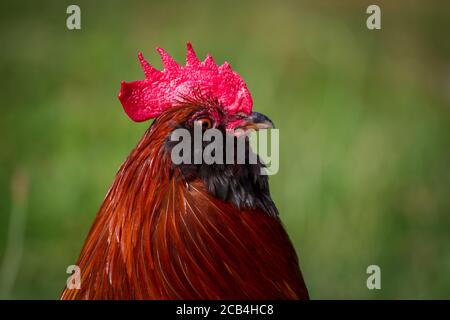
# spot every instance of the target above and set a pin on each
(206, 123)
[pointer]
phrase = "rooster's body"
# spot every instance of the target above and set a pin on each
(187, 231)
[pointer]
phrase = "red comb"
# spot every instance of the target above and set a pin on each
(146, 99)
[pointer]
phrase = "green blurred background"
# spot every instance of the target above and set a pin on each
(363, 115)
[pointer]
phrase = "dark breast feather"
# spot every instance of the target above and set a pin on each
(248, 249)
(162, 235)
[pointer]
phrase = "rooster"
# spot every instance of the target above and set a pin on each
(188, 231)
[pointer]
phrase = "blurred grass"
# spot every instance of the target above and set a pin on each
(363, 115)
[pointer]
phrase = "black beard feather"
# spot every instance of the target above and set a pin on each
(243, 185)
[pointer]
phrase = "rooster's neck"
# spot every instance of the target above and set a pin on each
(160, 235)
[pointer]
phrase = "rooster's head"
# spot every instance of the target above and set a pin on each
(212, 97)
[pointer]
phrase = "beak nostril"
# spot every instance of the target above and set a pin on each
(255, 121)
(262, 119)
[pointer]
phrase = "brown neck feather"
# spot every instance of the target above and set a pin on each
(157, 236)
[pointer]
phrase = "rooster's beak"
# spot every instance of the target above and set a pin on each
(256, 121)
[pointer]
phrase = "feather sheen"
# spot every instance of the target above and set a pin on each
(157, 236)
